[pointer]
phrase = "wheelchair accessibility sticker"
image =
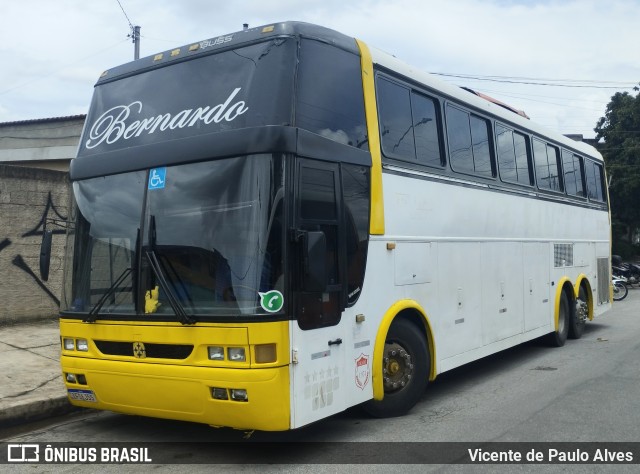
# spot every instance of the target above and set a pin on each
(157, 178)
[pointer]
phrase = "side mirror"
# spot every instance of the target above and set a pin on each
(45, 254)
(314, 260)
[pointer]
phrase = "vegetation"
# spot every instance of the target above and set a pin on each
(618, 135)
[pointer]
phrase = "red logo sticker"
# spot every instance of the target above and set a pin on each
(362, 371)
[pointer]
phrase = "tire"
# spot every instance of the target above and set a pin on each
(620, 291)
(559, 337)
(405, 371)
(580, 314)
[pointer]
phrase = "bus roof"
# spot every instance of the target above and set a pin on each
(385, 60)
(229, 41)
(476, 101)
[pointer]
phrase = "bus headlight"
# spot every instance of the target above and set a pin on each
(236, 354)
(219, 393)
(68, 344)
(82, 345)
(216, 353)
(239, 395)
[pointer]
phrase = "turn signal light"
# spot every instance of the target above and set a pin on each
(265, 353)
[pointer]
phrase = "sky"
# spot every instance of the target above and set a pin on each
(577, 52)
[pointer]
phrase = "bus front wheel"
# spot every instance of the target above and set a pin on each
(405, 370)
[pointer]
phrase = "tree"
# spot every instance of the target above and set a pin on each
(620, 130)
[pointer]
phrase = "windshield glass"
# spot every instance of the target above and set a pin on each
(207, 234)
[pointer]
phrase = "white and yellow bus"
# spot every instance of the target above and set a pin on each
(277, 224)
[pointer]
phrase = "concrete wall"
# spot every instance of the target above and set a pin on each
(29, 196)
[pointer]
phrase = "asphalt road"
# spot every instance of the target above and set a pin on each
(586, 391)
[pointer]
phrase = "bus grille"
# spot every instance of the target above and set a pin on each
(153, 351)
(603, 280)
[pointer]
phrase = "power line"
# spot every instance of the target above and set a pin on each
(125, 15)
(135, 33)
(46, 75)
(577, 83)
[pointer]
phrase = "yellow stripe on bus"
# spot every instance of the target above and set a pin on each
(376, 224)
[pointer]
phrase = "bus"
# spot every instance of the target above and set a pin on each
(274, 225)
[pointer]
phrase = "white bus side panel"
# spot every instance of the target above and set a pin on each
(479, 262)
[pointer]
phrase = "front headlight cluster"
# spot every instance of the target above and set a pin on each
(264, 353)
(71, 344)
(232, 354)
(235, 394)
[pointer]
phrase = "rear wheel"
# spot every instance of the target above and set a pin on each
(405, 370)
(559, 337)
(579, 316)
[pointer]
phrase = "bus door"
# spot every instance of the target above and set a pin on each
(319, 335)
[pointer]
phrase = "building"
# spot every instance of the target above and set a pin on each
(34, 195)
(48, 143)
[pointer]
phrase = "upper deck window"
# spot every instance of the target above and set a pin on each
(330, 101)
(248, 86)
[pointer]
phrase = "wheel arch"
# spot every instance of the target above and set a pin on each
(411, 311)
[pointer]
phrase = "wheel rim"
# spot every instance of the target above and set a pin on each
(582, 307)
(397, 368)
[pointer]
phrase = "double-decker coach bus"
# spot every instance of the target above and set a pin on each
(277, 224)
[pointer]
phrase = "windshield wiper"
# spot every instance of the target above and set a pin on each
(93, 314)
(177, 307)
(173, 301)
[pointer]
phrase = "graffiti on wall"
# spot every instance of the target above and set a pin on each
(49, 214)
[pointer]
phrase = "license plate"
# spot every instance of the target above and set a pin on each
(82, 395)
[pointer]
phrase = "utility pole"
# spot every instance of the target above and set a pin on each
(136, 42)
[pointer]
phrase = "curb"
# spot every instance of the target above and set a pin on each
(35, 410)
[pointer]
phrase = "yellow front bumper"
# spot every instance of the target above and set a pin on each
(182, 392)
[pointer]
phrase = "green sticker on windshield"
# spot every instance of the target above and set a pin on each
(271, 301)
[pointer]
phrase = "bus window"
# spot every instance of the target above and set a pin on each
(426, 124)
(469, 143)
(595, 181)
(409, 125)
(396, 124)
(513, 156)
(318, 211)
(547, 160)
(481, 150)
(355, 185)
(523, 159)
(573, 174)
(334, 106)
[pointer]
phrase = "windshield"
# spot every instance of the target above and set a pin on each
(203, 239)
